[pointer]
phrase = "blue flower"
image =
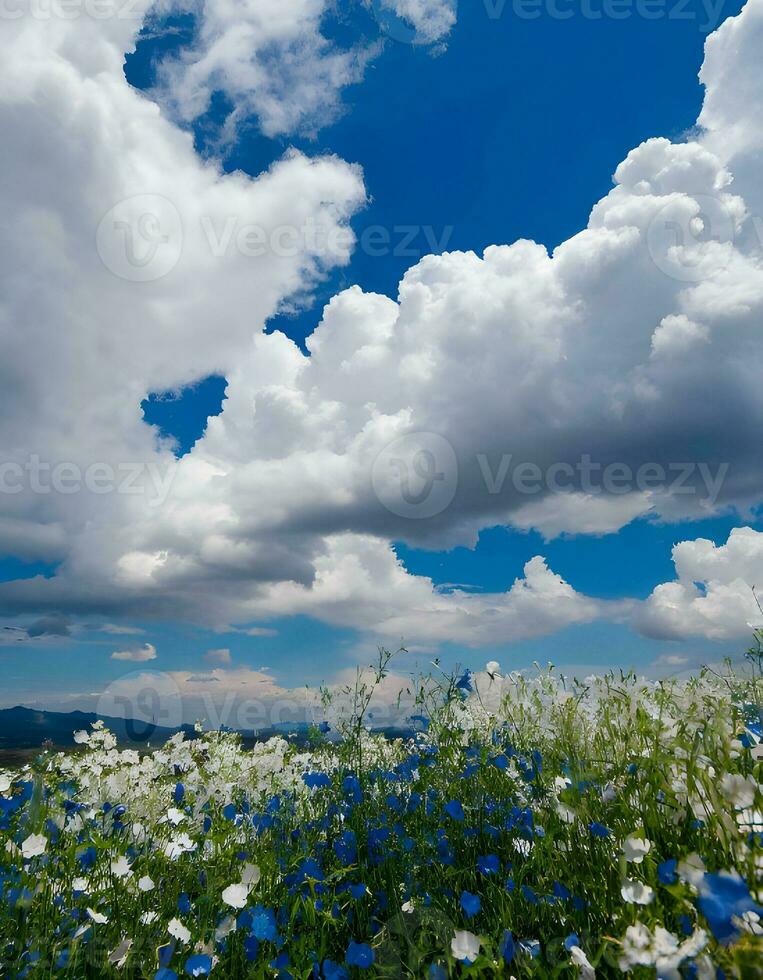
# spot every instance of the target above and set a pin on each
(251, 948)
(530, 895)
(263, 925)
(722, 897)
(360, 955)
(358, 891)
(63, 959)
(179, 793)
(436, 972)
(572, 940)
(471, 904)
(333, 971)
(666, 871)
(489, 864)
(315, 780)
(351, 788)
(164, 954)
(199, 965)
(184, 904)
(598, 830)
(165, 974)
(560, 891)
(229, 811)
(507, 947)
(87, 858)
(454, 810)
(346, 848)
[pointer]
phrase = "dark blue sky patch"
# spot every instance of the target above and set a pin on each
(183, 415)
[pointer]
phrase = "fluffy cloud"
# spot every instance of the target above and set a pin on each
(565, 392)
(274, 61)
(360, 582)
(713, 593)
(136, 655)
(431, 20)
(269, 57)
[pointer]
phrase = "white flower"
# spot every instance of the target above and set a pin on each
(465, 945)
(146, 884)
(98, 917)
(179, 845)
(407, 906)
(635, 849)
(609, 793)
(236, 896)
(580, 959)
(493, 669)
(175, 816)
(179, 931)
(34, 846)
(6, 781)
(738, 790)
(636, 892)
(81, 738)
(691, 869)
(250, 875)
(118, 956)
(750, 922)
(80, 885)
(226, 927)
(121, 867)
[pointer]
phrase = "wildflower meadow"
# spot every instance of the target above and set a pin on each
(529, 826)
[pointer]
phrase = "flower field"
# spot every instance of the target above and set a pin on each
(529, 827)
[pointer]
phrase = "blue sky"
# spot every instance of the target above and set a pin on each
(508, 128)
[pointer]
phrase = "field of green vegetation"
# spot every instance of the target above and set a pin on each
(530, 826)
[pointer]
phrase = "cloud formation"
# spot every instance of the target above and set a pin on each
(136, 655)
(570, 392)
(712, 594)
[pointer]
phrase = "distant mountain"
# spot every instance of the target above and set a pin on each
(27, 728)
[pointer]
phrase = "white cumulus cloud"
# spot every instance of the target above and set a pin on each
(515, 387)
